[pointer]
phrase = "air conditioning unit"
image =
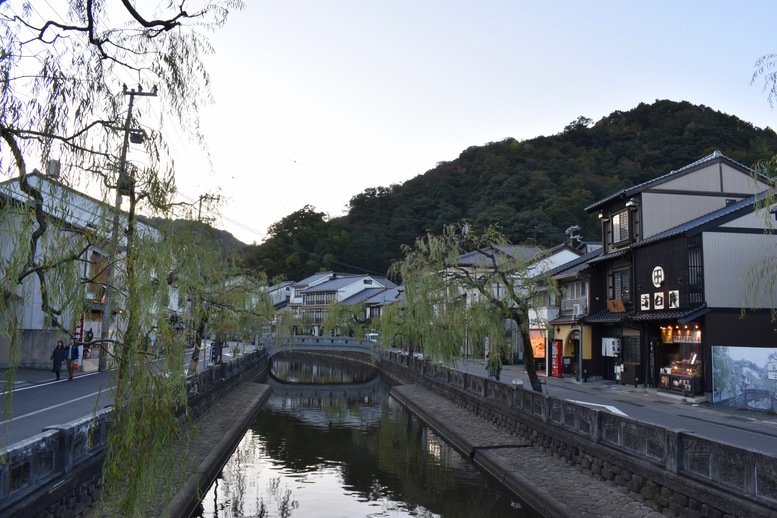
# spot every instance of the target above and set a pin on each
(578, 310)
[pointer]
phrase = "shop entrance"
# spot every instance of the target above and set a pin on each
(571, 352)
(679, 358)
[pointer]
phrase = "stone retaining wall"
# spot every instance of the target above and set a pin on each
(58, 472)
(676, 472)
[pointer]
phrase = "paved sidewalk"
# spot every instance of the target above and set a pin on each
(616, 392)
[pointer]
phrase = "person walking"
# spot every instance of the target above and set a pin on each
(57, 357)
(71, 357)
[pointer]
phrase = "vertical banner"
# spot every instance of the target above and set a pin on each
(79, 330)
(557, 359)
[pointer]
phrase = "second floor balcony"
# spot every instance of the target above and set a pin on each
(577, 306)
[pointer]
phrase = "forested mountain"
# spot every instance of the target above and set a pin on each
(533, 189)
(228, 244)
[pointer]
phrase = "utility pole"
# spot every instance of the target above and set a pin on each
(204, 197)
(123, 186)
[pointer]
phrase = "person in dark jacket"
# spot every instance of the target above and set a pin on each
(57, 357)
(71, 356)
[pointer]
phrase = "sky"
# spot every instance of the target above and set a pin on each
(316, 100)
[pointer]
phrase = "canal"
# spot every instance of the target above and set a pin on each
(331, 442)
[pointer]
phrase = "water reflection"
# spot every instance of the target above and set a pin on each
(309, 369)
(348, 451)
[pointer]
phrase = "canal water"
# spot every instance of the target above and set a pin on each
(332, 443)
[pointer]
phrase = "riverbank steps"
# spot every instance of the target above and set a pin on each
(201, 453)
(549, 484)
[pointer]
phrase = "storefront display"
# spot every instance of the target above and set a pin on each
(682, 352)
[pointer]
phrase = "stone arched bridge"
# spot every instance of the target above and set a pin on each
(274, 346)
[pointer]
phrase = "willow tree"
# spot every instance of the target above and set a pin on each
(761, 278)
(346, 319)
(450, 302)
(63, 101)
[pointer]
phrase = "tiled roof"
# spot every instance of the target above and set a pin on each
(340, 282)
(520, 253)
(387, 296)
(606, 317)
(611, 255)
(672, 314)
(575, 265)
(313, 278)
(566, 319)
(363, 295)
(631, 191)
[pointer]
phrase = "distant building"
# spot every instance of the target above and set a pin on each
(70, 216)
(310, 297)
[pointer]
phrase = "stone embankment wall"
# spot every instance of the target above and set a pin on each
(57, 472)
(677, 473)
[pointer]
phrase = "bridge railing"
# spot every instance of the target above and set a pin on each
(321, 343)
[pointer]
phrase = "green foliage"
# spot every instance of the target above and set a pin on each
(345, 319)
(62, 98)
(448, 301)
(531, 190)
(761, 277)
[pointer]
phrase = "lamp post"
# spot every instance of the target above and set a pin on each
(122, 185)
(580, 354)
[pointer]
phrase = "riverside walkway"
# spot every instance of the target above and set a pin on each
(548, 484)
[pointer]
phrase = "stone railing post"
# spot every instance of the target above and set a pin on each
(674, 450)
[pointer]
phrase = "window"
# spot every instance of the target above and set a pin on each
(574, 291)
(319, 298)
(695, 273)
(316, 316)
(620, 227)
(621, 285)
(98, 273)
(574, 294)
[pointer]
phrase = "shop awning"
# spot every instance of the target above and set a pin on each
(693, 315)
(607, 317)
(681, 315)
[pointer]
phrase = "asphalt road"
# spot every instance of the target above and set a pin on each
(37, 401)
(43, 404)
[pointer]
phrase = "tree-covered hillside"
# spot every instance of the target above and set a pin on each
(533, 190)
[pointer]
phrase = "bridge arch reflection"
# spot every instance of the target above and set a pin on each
(317, 375)
(306, 383)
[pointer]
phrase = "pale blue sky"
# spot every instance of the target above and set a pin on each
(316, 101)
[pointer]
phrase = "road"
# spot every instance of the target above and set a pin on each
(38, 401)
(744, 428)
